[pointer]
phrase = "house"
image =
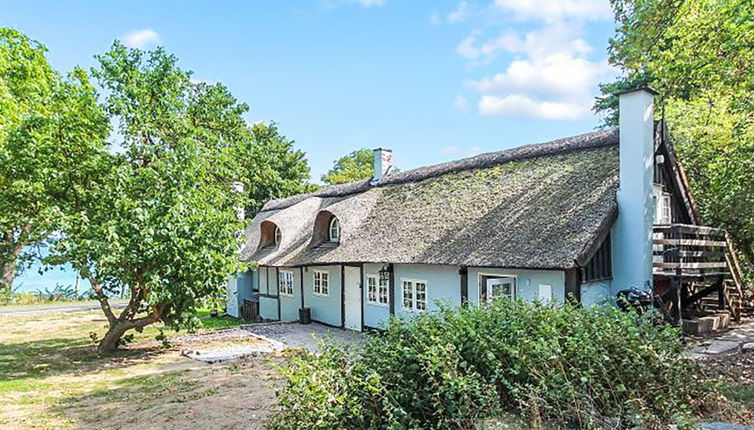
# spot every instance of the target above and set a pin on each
(581, 218)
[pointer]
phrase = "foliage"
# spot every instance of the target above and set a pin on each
(353, 167)
(596, 368)
(52, 136)
(163, 224)
(273, 168)
(699, 55)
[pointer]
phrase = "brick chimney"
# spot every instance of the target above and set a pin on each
(632, 232)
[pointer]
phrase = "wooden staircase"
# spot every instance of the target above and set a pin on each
(702, 265)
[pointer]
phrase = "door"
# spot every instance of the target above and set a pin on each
(352, 297)
(497, 286)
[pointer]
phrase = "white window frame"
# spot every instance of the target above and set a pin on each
(285, 288)
(514, 293)
(381, 296)
(321, 288)
(666, 214)
(278, 235)
(334, 223)
(414, 293)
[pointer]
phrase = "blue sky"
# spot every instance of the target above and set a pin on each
(433, 80)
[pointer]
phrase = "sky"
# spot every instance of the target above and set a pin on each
(432, 80)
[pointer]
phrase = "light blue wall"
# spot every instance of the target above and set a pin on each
(596, 293)
(443, 284)
(375, 316)
(268, 308)
(289, 306)
(527, 282)
(244, 285)
(325, 309)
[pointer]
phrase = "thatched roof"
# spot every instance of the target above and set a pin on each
(537, 206)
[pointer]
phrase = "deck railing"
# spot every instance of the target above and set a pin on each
(690, 251)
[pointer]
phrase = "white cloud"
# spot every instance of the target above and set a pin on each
(556, 75)
(460, 13)
(460, 102)
(549, 73)
(141, 38)
(556, 10)
(523, 106)
(368, 3)
(549, 40)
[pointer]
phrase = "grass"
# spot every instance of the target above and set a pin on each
(49, 364)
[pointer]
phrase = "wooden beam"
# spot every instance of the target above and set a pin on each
(463, 271)
(714, 265)
(689, 242)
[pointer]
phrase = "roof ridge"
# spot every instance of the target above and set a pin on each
(595, 139)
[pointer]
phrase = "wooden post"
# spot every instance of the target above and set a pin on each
(464, 275)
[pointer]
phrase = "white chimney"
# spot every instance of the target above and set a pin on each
(632, 233)
(383, 163)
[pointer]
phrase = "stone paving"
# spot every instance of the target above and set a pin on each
(306, 336)
(260, 339)
(734, 341)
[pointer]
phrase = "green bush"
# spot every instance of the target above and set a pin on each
(450, 369)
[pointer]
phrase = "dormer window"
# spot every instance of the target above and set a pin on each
(270, 235)
(327, 230)
(334, 230)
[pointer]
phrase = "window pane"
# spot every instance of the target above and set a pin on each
(408, 295)
(383, 291)
(372, 289)
(421, 296)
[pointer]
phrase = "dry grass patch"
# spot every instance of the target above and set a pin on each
(52, 377)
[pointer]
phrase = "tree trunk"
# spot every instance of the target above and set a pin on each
(111, 340)
(7, 274)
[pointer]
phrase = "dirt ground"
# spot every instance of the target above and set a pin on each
(51, 378)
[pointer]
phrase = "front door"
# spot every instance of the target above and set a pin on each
(352, 297)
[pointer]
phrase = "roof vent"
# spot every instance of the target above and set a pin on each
(383, 163)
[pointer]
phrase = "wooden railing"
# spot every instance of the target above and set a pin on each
(704, 258)
(690, 251)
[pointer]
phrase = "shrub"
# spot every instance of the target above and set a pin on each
(598, 368)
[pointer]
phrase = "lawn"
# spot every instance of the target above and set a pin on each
(51, 377)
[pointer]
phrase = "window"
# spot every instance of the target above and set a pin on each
(494, 287)
(334, 230)
(321, 283)
(278, 235)
(377, 291)
(285, 283)
(600, 267)
(665, 217)
(414, 295)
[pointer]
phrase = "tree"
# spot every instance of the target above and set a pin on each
(52, 138)
(699, 55)
(353, 167)
(163, 224)
(274, 169)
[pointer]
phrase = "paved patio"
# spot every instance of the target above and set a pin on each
(736, 340)
(295, 335)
